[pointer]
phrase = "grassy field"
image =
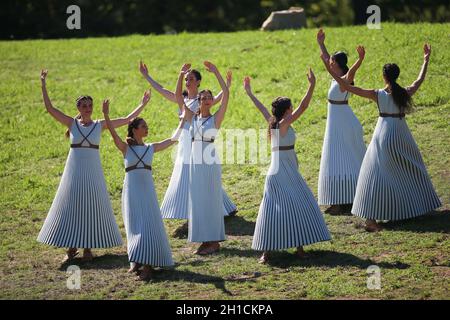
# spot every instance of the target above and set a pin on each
(413, 255)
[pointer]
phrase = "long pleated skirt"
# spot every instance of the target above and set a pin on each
(289, 215)
(147, 241)
(342, 154)
(81, 215)
(206, 221)
(175, 203)
(393, 183)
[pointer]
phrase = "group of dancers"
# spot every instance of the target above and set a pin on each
(388, 181)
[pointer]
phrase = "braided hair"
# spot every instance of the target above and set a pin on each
(133, 124)
(279, 107)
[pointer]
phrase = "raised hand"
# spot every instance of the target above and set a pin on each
(185, 68)
(143, 68)
(146, 97)
(311, 77)
(44, 75)
(210, 66)
(105, 107)
(247, 86)
(426, 52)
(361, 52)
(229, 78)
(320, 36)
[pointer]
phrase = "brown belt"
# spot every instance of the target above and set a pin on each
(146, 167)
(209, 140)
(392, 115)
(79, 145)
(338, 102)
(281, 148)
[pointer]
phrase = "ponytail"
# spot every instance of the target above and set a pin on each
(401, 97)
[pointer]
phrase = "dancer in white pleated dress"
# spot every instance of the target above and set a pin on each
(289, 216)
(343, 146)
(393, 183)
(206, 223)
(148, 245)
(175, 202)
(81, 214)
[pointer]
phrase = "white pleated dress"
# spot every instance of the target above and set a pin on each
(206, 221)
(175, 202)
(289, 215)
(342, 151)
(81, 214)
(147, 241)
(393, 183)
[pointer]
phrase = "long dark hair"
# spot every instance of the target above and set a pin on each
(198, 77)
(402, 99)
(133, 124)
(78, 103)
(279, 107)
(341, 59)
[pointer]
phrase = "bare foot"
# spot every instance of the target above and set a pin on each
(134, 268)
(201, 248)
(146, 273)
(264, 258)
(87, 255)
(372, 226)
(71, 254)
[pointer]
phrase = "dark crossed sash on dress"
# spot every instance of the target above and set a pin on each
(198, 129)
(85, 138)
(134, 167)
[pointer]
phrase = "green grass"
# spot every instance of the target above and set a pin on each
(413, 255)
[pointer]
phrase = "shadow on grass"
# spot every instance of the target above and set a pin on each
(107, 262)
(238, 226)
(188, 276)
(326, 258)
(435, 221)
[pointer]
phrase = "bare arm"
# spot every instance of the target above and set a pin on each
(423, 71)
(219, 96)
(262, 108)
(122, 146)
(118, 122)
(169, 95)
(187, 114)
(286, 122)
(55, 113)
(321, 41)
(220, 114)
(365, 93)
(350, 76)
(159, 146)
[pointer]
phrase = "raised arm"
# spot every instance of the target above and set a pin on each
(220, 114)
(122, 146)
(55, 113)
(323, 50)
(423, 71)
(219, 96)
(262, 108)
(159, 146)
(365, 93)
(187, 114)
(350, 76)
(169, 95)
(118, 122)
(287, 121)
